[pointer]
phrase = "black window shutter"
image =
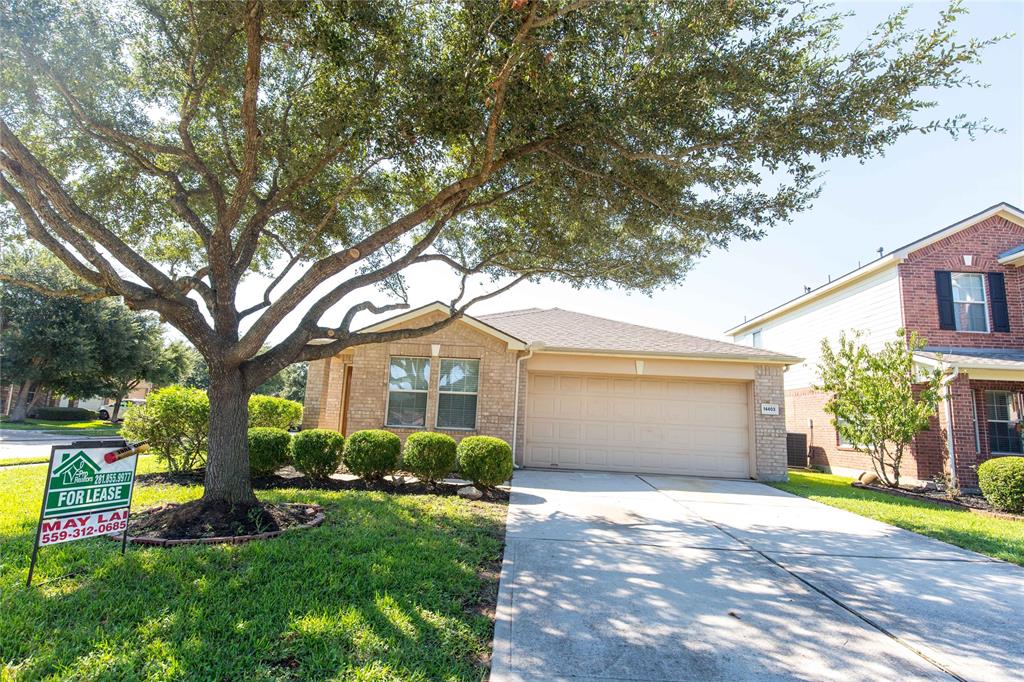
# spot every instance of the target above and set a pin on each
(997, 292)
(944, 294)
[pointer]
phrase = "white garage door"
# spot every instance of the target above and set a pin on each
(638, 424)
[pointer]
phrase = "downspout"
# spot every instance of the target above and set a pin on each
(515, 410)
(946, 381)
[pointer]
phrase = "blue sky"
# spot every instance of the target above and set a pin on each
(923, 183)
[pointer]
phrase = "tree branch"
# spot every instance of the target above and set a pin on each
(86, 295)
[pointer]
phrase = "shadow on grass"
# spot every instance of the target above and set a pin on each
(388, 588)
(993, 536)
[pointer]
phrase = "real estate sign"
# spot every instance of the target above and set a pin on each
(88, 492)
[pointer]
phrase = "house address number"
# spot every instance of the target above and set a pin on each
(771, 409)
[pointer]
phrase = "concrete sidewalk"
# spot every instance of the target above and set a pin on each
(614, 576)
(29, 443)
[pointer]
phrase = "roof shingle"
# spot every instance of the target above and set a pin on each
(559, 329)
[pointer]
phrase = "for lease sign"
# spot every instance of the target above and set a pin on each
(88, 491)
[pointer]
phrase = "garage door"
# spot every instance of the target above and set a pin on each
(638, 424)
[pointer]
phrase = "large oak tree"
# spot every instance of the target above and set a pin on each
(168, 151)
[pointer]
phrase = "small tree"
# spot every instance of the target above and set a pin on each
(881, 400)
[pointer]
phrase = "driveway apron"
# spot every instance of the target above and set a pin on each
(624, 577)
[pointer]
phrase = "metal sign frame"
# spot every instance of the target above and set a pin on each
(85, 444)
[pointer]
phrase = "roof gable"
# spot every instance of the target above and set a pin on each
(891, 259)
(438, 307)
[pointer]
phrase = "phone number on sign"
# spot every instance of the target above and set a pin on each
(66, 530)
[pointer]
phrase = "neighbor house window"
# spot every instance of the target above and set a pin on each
(755, 339)
(408, 381)
(456, 394)
(1003, 413)
(970, 309)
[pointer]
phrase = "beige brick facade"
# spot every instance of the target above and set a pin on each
(769, 430)
(364, 369)
(368, 391)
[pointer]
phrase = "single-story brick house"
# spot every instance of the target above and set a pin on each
(568, 391)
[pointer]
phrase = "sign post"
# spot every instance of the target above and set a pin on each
(88, 493)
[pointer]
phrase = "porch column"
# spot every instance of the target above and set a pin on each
(964, 433)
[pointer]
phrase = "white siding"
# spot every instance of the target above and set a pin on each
(871, 306)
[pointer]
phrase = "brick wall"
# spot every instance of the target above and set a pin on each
(368, 392)
(769, 430)
(984, 242)
(803, 406)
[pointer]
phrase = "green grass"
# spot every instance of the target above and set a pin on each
(387, 589)
(92, 427)
(1000, 538)
(12, 461)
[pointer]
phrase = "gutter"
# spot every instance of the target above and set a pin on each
(948, 398)
(530, 348)
(775, 359)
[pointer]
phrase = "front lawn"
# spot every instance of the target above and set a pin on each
(390, 587)
(15, 461)
(1000, 538)
(92, 427)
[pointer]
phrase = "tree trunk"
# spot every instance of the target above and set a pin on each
(117, 408)
(20, 408)
(227, 461)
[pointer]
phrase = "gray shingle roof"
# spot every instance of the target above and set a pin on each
(996, 358)
(559, 329)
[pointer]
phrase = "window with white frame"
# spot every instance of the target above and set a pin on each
(1003, 413)
(457, 388)
(408, 382)
(755, 339)
(970, 309)
(843, 440)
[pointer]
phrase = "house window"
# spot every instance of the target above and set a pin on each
(457, 393)
(844, 442)
(1003, 416)
(408, 381)
(755, 339)
(970, 310)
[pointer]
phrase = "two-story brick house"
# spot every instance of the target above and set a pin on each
(962, 289)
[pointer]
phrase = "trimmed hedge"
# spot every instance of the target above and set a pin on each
(430, 456)
(64, 414)
(1002, 482)
(372, 454)
(317, 452)
(278, 413)
(484, 460)
(269, 450)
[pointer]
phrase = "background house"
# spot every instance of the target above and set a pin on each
(962, 289)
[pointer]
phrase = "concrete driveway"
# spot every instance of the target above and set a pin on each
(622, 577)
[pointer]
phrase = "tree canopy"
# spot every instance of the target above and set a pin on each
(167, 150)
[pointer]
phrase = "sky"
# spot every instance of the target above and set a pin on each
(923, 183)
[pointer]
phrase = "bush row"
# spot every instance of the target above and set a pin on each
(64, 414)
(176, 422)
(375, 453)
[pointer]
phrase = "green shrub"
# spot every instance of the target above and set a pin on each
(64, 414)
(1002, 482)
(429, 455)
(269, 449)
(372, 454)
(484, 460)
(176, 422)
(278, 413)
(317, 452)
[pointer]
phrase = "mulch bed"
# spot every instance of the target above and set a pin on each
(205, 522)
(972, 503)
(288, 477)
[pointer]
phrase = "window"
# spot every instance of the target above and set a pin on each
(970, 310)
(843, 440)
(1003, 415)
(456, 394)
(408, 381)
(755, 339)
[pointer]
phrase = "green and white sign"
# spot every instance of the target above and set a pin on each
(81, 481)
